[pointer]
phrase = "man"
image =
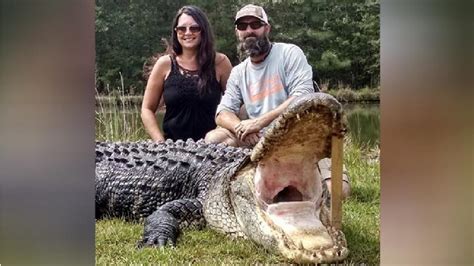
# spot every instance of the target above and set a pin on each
(264, 83)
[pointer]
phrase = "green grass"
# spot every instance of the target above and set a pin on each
(116, 239)
(361, 212)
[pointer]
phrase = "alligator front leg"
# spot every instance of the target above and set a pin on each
(163, 226)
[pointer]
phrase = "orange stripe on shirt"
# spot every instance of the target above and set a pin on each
(267, 87)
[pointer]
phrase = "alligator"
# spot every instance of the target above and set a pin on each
(271, 194)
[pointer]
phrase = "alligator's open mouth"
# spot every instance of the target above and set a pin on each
(289, 193)
(287, 156)
(287, 180)
(288, 188)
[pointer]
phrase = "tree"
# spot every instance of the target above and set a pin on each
(341, 39)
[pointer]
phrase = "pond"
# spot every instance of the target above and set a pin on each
(363, 121)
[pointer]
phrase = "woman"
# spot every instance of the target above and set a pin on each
(191, 80)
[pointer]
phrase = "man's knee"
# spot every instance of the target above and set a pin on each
(220, 135)
(213, 136)
(217, 135)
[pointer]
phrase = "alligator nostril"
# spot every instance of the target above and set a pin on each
(289, 193)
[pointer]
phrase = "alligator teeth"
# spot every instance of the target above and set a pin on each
(319, 255)
(300, 245)
(329, 253)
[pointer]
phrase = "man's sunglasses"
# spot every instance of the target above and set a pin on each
(192, 29)
(253, 25)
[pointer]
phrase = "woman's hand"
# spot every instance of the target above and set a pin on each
(159, 139)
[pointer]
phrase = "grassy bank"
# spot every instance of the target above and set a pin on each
(116, 239)
(362, 95)
(117, 100)
(114, 124)
(342, 95)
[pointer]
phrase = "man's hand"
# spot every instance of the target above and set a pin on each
(246, 127)
(252, 138)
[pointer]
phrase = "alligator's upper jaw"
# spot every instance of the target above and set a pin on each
(287, 180)
(306, 125)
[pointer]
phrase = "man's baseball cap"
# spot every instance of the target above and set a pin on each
(252, 11)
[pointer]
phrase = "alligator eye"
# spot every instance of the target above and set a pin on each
(289, 193)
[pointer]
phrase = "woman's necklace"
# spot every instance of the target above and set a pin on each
(187, 72)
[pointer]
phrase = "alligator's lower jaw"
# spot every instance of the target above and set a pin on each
(300, 223)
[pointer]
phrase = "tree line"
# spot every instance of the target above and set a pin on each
(341, 39)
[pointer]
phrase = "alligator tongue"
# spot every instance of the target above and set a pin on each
(300, 222)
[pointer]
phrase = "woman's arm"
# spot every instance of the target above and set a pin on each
(223, 68)
(152, 96)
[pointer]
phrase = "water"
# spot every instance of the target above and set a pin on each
(363, 121)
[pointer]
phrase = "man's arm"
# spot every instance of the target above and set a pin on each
(246, 127)
(229, 107)
(299, 74)
(228, 120)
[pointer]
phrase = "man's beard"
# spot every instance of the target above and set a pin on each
(253, 45)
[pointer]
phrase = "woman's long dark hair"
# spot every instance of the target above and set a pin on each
(206, 54)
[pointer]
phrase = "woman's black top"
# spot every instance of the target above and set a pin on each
(188, 113)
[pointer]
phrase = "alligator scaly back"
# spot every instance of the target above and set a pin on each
(133, 179)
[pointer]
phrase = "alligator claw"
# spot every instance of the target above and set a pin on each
(161, 229)
(143, 243)
(159, 241)
(164, 241)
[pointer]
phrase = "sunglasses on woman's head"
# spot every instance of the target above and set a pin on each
(192, 29)
(253, 25)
